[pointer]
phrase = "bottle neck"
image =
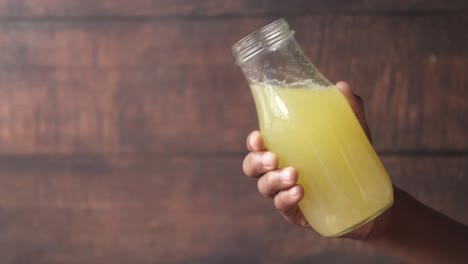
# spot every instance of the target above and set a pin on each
(272, 55)
(261, 40)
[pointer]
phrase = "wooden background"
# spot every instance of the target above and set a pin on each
(122, 124)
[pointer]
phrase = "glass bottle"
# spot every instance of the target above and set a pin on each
(309, 124)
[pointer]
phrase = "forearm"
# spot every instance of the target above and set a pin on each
(416, 233)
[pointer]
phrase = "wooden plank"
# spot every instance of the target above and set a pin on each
(126, 209)
(172, 87)
(169, 8)
(144, 43)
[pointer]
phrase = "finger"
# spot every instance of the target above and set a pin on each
(255, 141)
(258, 163)
(274, 181)
(286, 201)
(354, 100)
(356, 103)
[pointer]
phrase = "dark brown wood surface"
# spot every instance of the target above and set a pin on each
(128, 209)
(138, 86)
(170, 8)
(122, 124)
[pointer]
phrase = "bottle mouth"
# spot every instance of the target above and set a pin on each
(261, 39)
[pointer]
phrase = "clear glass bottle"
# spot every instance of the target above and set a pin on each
(309, 124)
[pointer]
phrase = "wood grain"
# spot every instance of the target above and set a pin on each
(171, 8)
(144, 209)
(122, 124)
(172, 87)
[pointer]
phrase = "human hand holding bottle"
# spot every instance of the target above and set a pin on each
(281, 184)
(409, 230)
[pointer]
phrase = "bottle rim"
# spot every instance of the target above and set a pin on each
(261, 39)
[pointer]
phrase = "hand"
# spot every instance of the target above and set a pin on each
(281, 184)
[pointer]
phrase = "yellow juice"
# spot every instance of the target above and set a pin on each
(314, 129)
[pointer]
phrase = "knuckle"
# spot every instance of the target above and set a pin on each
(249, 165)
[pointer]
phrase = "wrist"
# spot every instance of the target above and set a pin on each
(383, 227)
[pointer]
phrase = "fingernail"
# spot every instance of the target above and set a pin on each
(294, 192)
(286, 175)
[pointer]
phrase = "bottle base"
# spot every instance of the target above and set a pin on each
(363, 222)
